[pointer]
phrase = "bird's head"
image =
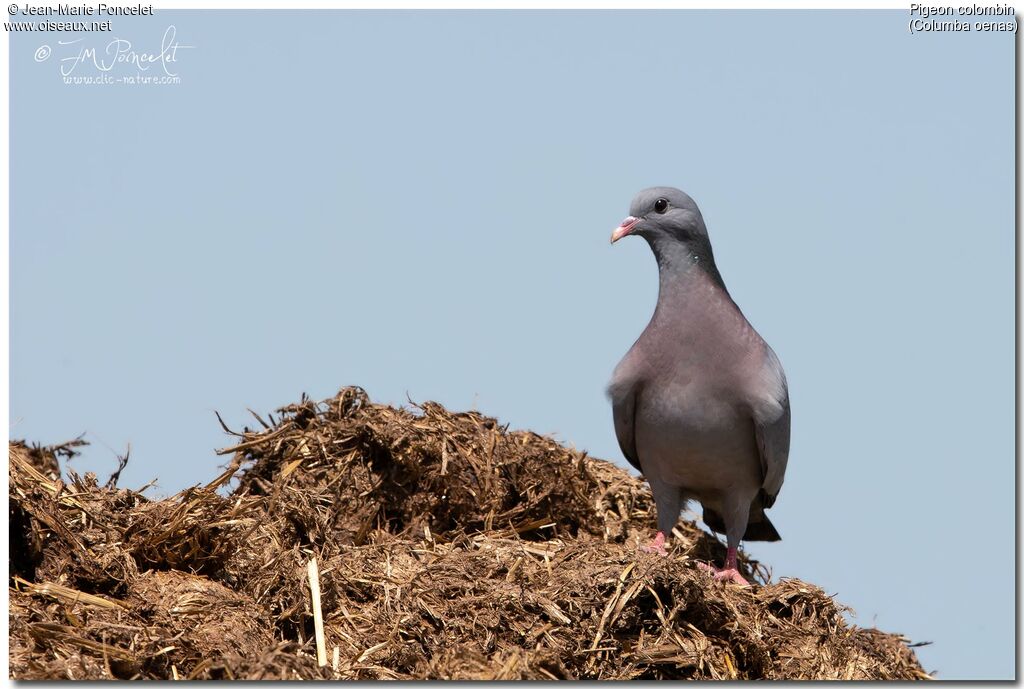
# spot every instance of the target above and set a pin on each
(663, 213)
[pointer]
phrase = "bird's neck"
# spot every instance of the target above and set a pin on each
(681, 264)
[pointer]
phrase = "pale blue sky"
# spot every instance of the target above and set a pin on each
(420, 202)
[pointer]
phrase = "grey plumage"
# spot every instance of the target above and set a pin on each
(700, 401)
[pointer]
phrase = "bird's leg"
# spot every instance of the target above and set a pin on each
(730, 572)
(735, 526)
(657, 545)
(668, 500)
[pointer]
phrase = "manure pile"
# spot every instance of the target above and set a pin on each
(443, 545)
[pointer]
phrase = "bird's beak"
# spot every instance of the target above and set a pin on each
(625, 228)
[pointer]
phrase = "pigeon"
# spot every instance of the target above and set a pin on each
(700, 402)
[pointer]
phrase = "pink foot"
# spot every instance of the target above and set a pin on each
(656, 546)
(729, 573)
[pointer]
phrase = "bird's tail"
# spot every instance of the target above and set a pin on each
(760, 530)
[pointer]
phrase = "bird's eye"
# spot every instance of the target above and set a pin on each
(661, 205)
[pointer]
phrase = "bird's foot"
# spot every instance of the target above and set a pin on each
(656, 546)
(727, 574)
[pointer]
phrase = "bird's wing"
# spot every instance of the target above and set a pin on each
(624, 399)
(771, 427)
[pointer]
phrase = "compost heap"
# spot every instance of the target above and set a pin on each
(443, 545)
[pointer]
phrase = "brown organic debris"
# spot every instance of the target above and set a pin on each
(443, 545)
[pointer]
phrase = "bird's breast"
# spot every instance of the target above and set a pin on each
(689, 436)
